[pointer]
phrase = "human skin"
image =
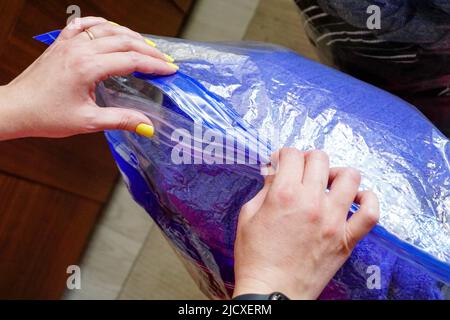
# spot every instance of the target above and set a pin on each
(55, 96)
(292, 237)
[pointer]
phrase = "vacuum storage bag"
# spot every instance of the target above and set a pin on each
(229, 107)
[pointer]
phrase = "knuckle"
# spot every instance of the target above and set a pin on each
(64, 47)
(86, 119)
(369, 194)
(99, 30)
(134, 57)
(125, 41)
(372, 217)
(80, 65)
(79, 61)
(352, 175)
(125, 122)
(68, 48)
(311, 210)
(105, 24)
(76, 53)
(284, 196)
(289, 152)
(100, 26)
(319, 155)
(87, 18)
(127, 30)
(329, 232)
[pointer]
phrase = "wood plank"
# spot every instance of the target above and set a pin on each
(9, 11)
(81, 165)
(42, 231)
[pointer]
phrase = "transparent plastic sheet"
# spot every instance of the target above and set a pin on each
(409, 55)
(259, 93)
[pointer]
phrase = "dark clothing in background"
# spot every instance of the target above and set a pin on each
(409, 56)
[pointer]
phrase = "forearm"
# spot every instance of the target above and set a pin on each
(9, 117)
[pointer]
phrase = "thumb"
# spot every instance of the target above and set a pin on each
(249, 209)
(124, 119)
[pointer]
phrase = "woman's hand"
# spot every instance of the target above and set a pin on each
(294, 236)
(55, 96)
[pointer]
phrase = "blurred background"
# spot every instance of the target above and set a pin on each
(62, 202)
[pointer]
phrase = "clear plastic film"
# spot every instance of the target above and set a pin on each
(264, 97)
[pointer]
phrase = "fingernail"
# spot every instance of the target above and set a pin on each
(113, 23)
(169, 58)
(173, 65)
(150, 42)
(145, 130)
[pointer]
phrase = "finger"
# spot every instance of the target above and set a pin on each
(125, 43)
(269, 169)
(103, 66)
(344, 184)
(78, 25)
(363, 220)
(249, 209)
(118, 119)
(289, 168)
(107, 29)
(317, 167)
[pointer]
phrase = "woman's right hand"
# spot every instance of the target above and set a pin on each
(293, 236)
(55, 96)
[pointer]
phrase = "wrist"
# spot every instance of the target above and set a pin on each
(256, 286)
(11, 126)
(251, 286)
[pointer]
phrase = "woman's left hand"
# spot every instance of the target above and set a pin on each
(55, 96)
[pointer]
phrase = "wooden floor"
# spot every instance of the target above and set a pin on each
(128, 258)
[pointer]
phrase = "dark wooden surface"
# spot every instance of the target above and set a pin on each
(81, 165)
(52, 191)
(42, 232)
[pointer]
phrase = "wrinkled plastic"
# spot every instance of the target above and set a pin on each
(409, 55)
(262, 91)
